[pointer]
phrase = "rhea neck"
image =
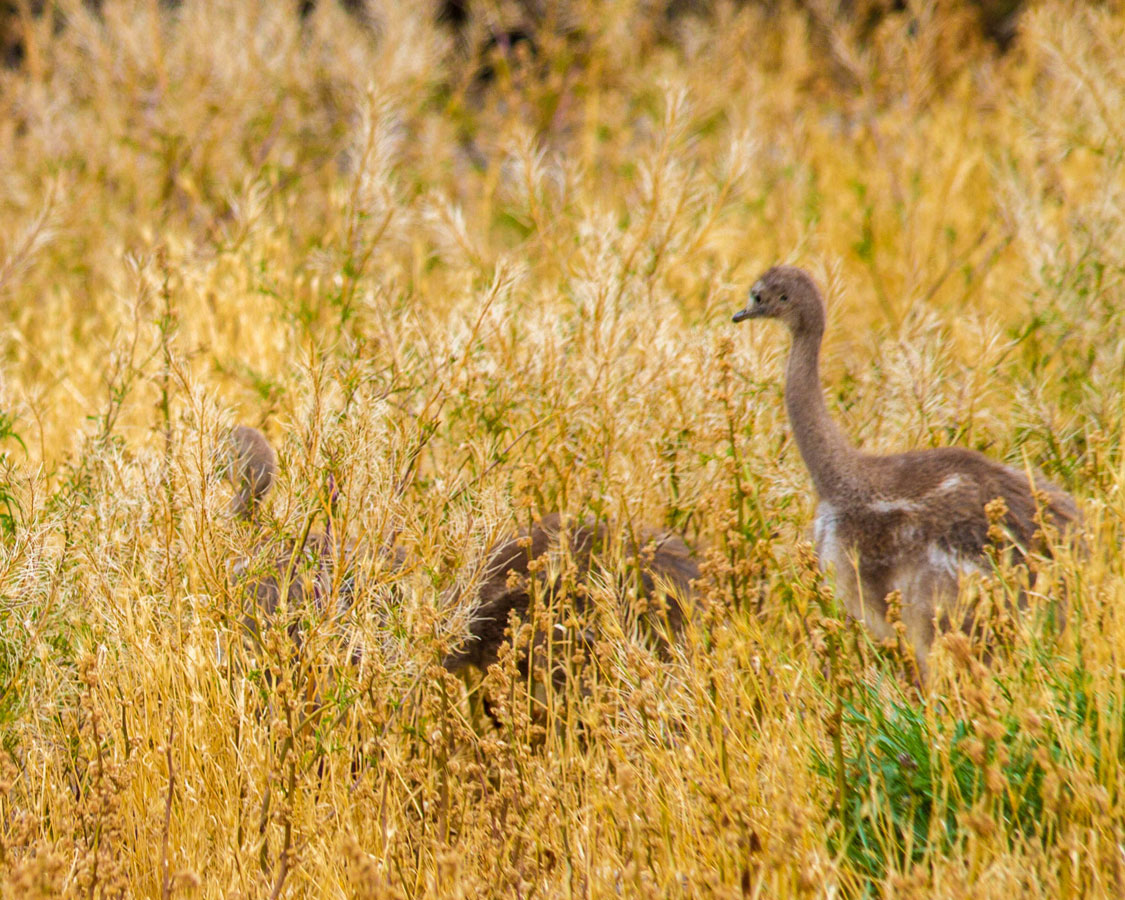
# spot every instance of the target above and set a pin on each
(830, 458)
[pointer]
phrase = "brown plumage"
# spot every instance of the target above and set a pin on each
(911, 522)
(252, 468)
(661, 560)
(313, 570)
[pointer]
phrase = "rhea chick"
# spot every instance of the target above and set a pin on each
(910, 522)
(310, 571)
(660, 563)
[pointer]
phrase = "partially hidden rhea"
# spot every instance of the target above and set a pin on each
(910, 522)
(562, 562)
(315, 573)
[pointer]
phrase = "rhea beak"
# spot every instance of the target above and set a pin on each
(753, 307)
(752, 310)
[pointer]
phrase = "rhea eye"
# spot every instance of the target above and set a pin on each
(783, 297)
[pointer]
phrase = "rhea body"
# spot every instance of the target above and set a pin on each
(658, 564)
(911, 522)
(316, 570)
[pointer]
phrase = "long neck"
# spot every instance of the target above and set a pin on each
(829, 457)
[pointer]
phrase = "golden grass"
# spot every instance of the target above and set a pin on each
(472, 303)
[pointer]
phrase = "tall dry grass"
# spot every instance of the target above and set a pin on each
(472, 300)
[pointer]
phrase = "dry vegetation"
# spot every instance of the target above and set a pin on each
(473, 300)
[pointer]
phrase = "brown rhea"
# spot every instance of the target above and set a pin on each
(314, 572)
(909, 522)
(563, 555)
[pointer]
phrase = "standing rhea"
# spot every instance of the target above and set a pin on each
(908, 522)
(307, 571)
(658, 565)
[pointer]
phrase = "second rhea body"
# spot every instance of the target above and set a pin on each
(566, 562)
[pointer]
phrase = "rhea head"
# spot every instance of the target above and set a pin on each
(789, 294)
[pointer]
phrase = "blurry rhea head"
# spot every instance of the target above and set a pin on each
(789, 294)
(251, 468)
